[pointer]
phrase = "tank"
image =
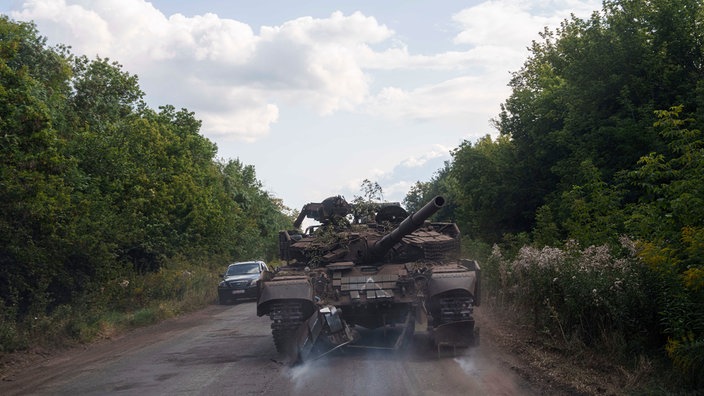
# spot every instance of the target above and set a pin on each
(369, 268)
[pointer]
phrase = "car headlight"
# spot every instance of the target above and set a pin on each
(222, 284)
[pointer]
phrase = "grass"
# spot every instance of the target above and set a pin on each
(120, 305)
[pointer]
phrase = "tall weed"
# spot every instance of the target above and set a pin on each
(587, 295)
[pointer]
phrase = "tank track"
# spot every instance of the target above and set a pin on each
(286, 317)
(454, 325)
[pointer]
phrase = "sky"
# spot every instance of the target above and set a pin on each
(317, 95)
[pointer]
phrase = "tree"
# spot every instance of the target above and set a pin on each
(417, 196)
(489, 189)
(588, 91)
(442, 183)
(592, 212)
(669, 220)
(258, 217)
(96, 185)
(36, 211)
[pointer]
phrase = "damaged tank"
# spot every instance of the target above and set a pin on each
(367, 267)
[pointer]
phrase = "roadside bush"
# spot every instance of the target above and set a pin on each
(9, 337)
(587, 295)
(475, 250)
(130, 300)
(680, 296)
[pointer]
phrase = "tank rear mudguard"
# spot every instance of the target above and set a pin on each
(453, 291)
(444, 282)
(298, 288)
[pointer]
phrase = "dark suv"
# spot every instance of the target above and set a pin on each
(240, 281)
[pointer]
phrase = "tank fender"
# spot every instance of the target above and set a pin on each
(284, 289)
(447, 281)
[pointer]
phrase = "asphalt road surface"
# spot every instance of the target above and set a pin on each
(228, 350)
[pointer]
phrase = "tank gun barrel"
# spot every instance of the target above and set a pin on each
(407, 226)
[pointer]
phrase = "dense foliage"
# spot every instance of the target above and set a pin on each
(599, 140)
(97, 189)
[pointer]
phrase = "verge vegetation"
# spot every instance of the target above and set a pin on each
(112, 214)
(592, 194)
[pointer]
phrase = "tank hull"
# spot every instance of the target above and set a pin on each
(343, 278)
(321, 310)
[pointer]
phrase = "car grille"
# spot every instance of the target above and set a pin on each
(238, 284)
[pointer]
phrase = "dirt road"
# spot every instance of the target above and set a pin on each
(228, 350)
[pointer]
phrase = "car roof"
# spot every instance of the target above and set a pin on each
(247, 262)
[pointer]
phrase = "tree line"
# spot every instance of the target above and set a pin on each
(599, 140)
(95, 186)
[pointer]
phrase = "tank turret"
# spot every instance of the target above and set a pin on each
(341, 238)
(407, 226)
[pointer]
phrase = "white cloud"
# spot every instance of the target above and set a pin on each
(245, 124)
(236, 80)
(397, 191)
(209, 38)
(207, 60)
(438, 151)
(338, 29)
(83, 28)
(456, 97)
(397, 182)
(317, 60)
(387, 101)
(132, 29)
(513, 23)
(498, 33)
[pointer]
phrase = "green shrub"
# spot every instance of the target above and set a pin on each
(127, 301)
(10, 339)
(143, 317)
(587, 295)
(687, 355)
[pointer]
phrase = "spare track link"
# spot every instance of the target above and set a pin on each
(286, 318)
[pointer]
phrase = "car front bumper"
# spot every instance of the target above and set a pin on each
(237, 294)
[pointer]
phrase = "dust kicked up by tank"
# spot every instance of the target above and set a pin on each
(369, 267)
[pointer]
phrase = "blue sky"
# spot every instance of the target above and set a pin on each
(318, 95)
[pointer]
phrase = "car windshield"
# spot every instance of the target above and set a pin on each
(241, 269)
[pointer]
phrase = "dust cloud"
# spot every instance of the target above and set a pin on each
(494, 379)
(420, 370)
